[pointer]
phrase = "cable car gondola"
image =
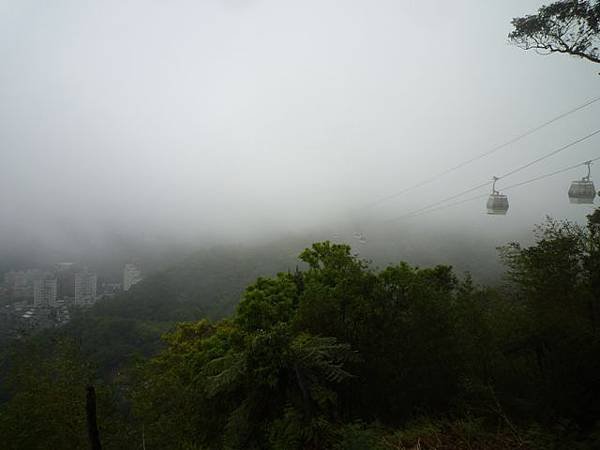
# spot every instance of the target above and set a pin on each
(360, 237)
(583, 192)
(497, 203)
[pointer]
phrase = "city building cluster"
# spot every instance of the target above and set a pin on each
(36, 299)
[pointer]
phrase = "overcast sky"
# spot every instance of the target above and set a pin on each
(251, 117)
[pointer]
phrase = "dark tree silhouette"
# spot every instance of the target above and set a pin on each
(92, 425)
(571, 27)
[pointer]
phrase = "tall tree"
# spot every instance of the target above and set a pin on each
(555, 281)
(568, 26)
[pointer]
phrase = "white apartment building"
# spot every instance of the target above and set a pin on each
(85, 287)
(44, 292)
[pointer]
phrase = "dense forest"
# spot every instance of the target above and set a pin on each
(334, 355)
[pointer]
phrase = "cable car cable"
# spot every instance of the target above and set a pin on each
(563, 148)
(541, 177)
(511, 172)
(483, 155)
(439, 202)
(512, 186)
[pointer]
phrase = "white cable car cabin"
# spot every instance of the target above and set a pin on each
(583, 192)
(497, 203)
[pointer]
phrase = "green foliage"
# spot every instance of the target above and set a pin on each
(46, 393)
(267, 302)
(46, 410)
(555, 280)
(339, 356)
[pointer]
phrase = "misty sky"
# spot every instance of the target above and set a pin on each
(252, 117)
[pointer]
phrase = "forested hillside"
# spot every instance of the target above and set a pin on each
(206, 284)
(333, 355)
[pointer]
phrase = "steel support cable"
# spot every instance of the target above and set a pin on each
(483, 155)
(439, 202)
(512, 186)
(507, 174)
(561, 149)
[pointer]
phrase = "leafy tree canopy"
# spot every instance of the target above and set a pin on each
(569, 26)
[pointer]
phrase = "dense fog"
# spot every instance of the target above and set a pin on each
(185, 124)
